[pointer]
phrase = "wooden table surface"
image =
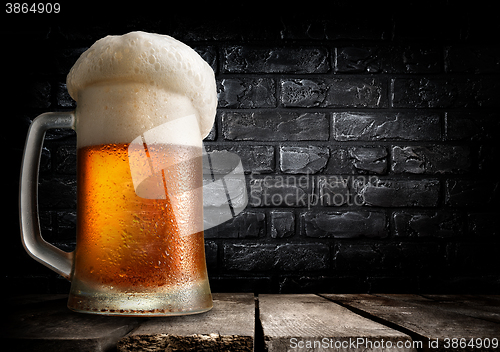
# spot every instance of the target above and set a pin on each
(267, 322)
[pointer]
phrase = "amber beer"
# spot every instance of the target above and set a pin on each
(138, 244)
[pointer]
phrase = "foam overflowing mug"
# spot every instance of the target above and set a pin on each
(144, 104)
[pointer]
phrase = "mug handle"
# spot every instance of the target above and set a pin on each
(54, 258)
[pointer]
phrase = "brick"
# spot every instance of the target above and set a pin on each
(416, 59)
(440, 224)
(302, 92)
(433, 159)
(246, 93)
(424, 93)
(215, 195)
(358, 59)
(393, 59)
(357, 160)
(484, 224)
(347, 91)
(399, 193)
(476, 126)
(339, 162)
(356, 92)
(302, 257)
(218, 163)
(282, 191)
(359, 126)
(285, 257)
(245, 59)
(247, 224)
(274, 126)
(485, 92)
(303, 160)
(334, 191)
(282, 224)
(458, 92)
(471, 193)
(369, 160)
(345, 224)
(487, 159)
(472, 59)
(254, 158)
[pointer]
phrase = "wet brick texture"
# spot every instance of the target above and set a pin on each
(369, 143)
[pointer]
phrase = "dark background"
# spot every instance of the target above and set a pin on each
(404, 99)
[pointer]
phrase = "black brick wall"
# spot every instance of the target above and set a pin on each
(386, 123)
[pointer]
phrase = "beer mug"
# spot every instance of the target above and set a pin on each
(144, 104)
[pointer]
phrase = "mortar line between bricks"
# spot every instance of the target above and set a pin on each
(345, 75)
(354, 109)
(278, 91)
(330, 143)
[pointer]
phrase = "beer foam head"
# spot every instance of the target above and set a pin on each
(158, 61)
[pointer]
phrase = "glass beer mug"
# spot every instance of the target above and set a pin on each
(144, 103)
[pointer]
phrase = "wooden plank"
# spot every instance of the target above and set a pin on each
(308, 322)
(406, 297)
(436, 328)
(229, 326)
(470, 305)
(44, 323)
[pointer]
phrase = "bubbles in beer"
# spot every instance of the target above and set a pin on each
(128, 241)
